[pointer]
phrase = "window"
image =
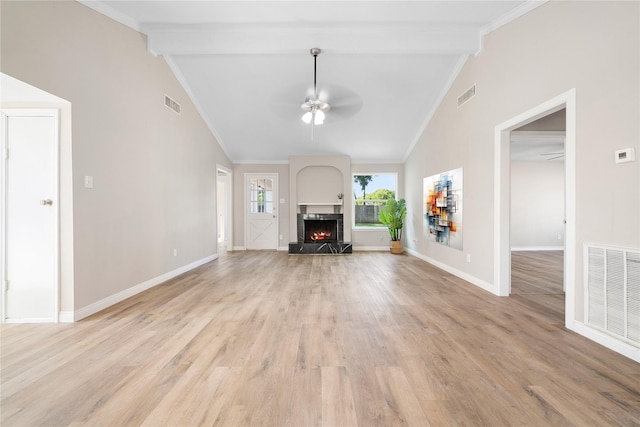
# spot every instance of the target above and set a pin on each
(261, 195)
(370, 194)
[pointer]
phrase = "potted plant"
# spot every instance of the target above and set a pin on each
(393, 215)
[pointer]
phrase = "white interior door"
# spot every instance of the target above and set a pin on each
(30, 215)
(261, 211)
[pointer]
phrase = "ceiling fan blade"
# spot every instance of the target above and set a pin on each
(285, 102)
(344, 102)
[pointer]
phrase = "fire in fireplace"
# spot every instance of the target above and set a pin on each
(320, 230)
(321, 235)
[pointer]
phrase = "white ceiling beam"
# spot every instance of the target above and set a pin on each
(337, 39)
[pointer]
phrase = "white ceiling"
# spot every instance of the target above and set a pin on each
(384, 68)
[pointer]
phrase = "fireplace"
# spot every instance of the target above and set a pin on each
(320, 233)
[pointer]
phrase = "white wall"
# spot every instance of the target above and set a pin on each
(154, 171)
(537, 205)
(593, 47)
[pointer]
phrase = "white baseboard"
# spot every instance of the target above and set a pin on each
(128, 293)
(537, 248)
(65, 317)
(371, 248)
(283, 248)
(239, 248)
(606, 340)
(461, 274)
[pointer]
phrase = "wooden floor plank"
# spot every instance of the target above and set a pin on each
(369, 339)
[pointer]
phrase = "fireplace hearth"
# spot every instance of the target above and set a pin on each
(320, 234)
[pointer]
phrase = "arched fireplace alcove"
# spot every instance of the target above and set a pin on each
(319, 212)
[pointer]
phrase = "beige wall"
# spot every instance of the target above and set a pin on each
(154, 171)
(593, 47)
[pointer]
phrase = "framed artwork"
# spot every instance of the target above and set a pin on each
(442, 203)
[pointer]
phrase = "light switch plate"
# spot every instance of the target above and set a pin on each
(88, 181)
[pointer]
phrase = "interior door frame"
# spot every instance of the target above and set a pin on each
(247, 176)
(4, 116)
(502, 198)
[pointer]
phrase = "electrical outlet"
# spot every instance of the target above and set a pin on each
(175, 252)
(468, 257)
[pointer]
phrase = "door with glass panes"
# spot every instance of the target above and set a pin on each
(261, 211)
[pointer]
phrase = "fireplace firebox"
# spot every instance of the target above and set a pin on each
(320, 230)
(320, 233)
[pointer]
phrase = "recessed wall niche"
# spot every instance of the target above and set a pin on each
(319, 184)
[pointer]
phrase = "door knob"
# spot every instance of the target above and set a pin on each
(47, 202)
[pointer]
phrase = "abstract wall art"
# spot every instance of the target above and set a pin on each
(443, 208)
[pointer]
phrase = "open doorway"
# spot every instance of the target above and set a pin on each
(224, 202)
(503, 194)
(537, 214)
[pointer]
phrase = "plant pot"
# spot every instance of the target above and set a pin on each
(396, 247)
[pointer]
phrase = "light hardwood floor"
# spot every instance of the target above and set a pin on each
(265, 338)
(536, 280)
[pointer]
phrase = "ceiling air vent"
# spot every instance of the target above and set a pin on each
(466, 96)
(171, 104)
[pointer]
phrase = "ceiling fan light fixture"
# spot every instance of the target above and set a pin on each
(307, 117)
(316, 115)
(315, 108)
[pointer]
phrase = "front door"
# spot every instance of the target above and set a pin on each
(29, 215)
(261, 211)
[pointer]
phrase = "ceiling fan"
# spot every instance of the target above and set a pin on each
(324, 103)
(314, 107)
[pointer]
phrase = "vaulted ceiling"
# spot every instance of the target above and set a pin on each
(384, 67)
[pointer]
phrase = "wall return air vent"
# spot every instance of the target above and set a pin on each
(612, 288)
(171, 104)
(466, 96)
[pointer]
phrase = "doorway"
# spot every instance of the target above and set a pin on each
(224, 205)
(261, 194)
(30, 215)
(537, 214)
(502, 191)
